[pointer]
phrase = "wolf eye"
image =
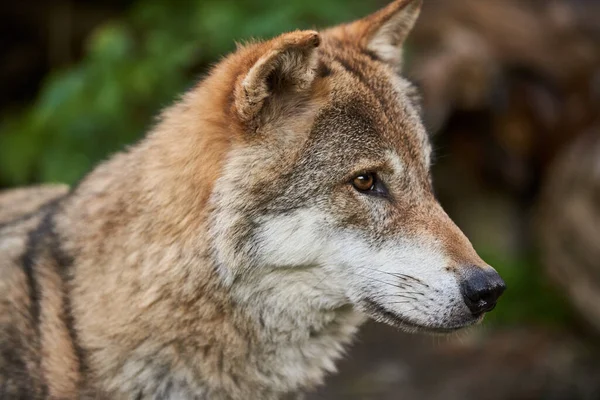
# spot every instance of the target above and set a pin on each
(369, 183)
(364, 182)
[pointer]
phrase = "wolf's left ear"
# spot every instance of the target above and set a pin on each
(285, 63)
(384, 32)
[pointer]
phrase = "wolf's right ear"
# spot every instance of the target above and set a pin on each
(288, 62)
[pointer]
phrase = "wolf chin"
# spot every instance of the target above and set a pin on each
(235, 250)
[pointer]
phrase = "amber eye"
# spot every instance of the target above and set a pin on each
(364, 182)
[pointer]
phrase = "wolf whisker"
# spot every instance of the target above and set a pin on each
(398, 275)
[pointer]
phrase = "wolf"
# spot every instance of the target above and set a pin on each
(235, 250)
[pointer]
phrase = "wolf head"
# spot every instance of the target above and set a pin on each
(325, 197)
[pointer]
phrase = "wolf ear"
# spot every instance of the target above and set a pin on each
(384, 32)
(288, 62)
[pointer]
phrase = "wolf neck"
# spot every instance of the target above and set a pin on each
(193, 338)
(297, 340)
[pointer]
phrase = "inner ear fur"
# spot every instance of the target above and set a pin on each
(382, 33)
(288, 62)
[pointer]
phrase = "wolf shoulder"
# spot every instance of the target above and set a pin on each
(21, 211)
(22, 204)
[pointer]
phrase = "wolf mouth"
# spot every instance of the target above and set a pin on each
(380, 313)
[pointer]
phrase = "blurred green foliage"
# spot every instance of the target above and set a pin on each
(134, 67)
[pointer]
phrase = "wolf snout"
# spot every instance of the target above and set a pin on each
(481, 288)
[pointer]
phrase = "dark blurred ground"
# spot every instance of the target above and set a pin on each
(517, 364)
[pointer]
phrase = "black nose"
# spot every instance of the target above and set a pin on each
(481, 288)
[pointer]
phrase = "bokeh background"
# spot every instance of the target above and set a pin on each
(511, 95)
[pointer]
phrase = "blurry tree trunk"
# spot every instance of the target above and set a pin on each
(569, 225)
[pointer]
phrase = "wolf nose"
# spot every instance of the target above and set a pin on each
(481, 288)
